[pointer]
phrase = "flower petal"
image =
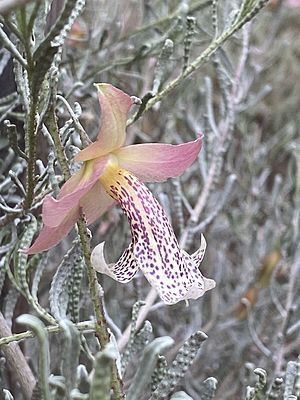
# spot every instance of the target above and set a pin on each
(55, 211)
(171, 271)
(155, 162)
(201, 284)
(114, 105)
(199, 254)
(50, 236)
(293, 3)
(123, 271)
(95, 203)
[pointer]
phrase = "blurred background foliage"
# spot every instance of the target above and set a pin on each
(243, 194)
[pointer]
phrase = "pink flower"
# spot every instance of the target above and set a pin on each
(104, 178)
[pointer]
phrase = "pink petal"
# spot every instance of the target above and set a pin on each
(156, 162)
(123, 271)
(95, 203)
(55, 211)
(114, 105)
(50, 236)
(71, 184)
(172, 272)
(294, 3)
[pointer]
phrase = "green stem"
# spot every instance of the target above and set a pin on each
(101, 328)
(30, 140)
(31, 122)
(101, 325)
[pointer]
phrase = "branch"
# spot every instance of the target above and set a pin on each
(16, 362)
(203, 58)
(8, 44)
(83, 326)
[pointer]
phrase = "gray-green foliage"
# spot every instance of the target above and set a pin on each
(147, 366)
(101, 380)
(136, 340)
(44, 365)
(179, 366)
(208, 389)
(70, 355)
(65, 287)
(181, 396)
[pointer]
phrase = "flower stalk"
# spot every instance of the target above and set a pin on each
(96, 298)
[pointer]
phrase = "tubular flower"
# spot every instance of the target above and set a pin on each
(111, 172)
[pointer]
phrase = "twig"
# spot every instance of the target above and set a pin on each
(83, 326)
(256, 340)
(8, 44)
(83, 135)
(150, 299)
(194, 66)
(16, 361)
(225, 129)
(13, 137)
(198, 5)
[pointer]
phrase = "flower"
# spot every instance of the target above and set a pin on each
(154, 248)
(111, 172)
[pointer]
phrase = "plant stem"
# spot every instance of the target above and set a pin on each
(16, 362)
(30, 139)
(101, 329)
(101, 325)
(31, 123)
(95, 292)
(83, 326)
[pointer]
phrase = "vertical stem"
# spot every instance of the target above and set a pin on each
(30, 128)
(30, 134)
(101, 328)
(30, 140)
(101, 325)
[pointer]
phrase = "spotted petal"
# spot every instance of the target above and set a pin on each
(114, 105)
(154, 162)
(173, 273)
(199, 254)
(123, 271)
